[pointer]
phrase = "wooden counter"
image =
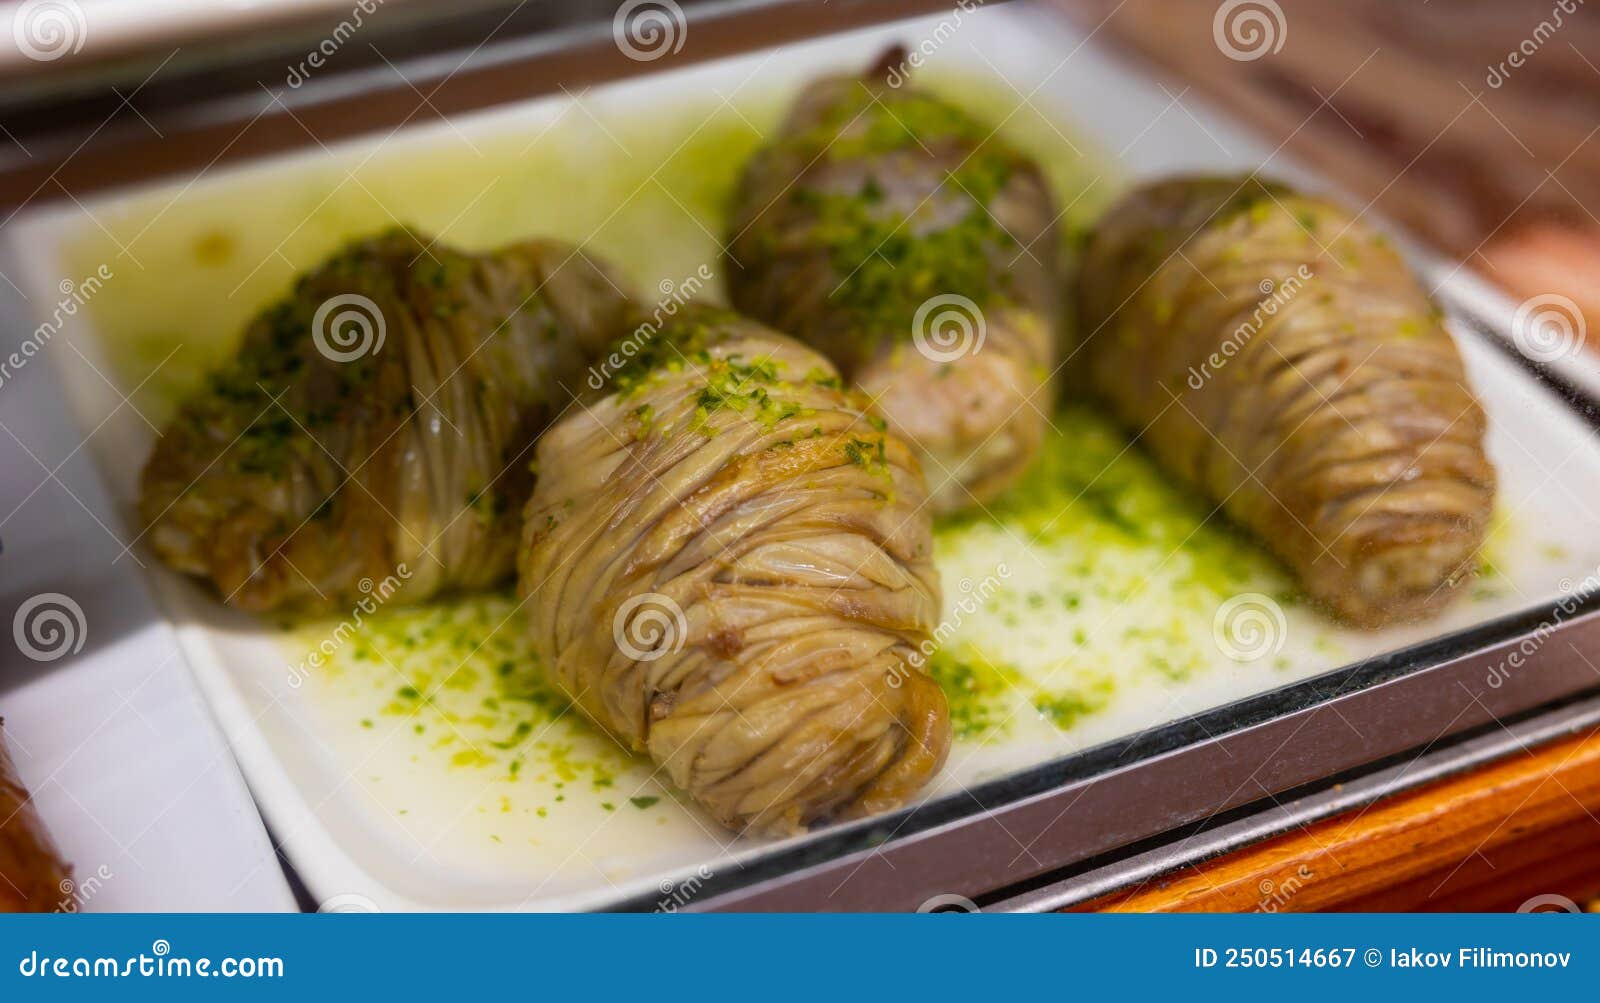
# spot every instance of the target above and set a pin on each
(1490, 840)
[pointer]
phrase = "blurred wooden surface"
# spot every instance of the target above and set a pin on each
(33, 877)
(1493, 840)
(1475, 123)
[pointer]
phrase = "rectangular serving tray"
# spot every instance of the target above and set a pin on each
(990, 838)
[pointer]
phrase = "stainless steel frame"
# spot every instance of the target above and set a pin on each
(1055, 834)
(173, 110)
(1329, 799)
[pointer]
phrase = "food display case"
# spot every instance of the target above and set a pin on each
(1146, 691)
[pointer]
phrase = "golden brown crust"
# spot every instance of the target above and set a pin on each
(1279, 355)
(918, 252)
(380, 416)
(728, 565)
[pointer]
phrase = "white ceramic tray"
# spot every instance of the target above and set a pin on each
(374, 812)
